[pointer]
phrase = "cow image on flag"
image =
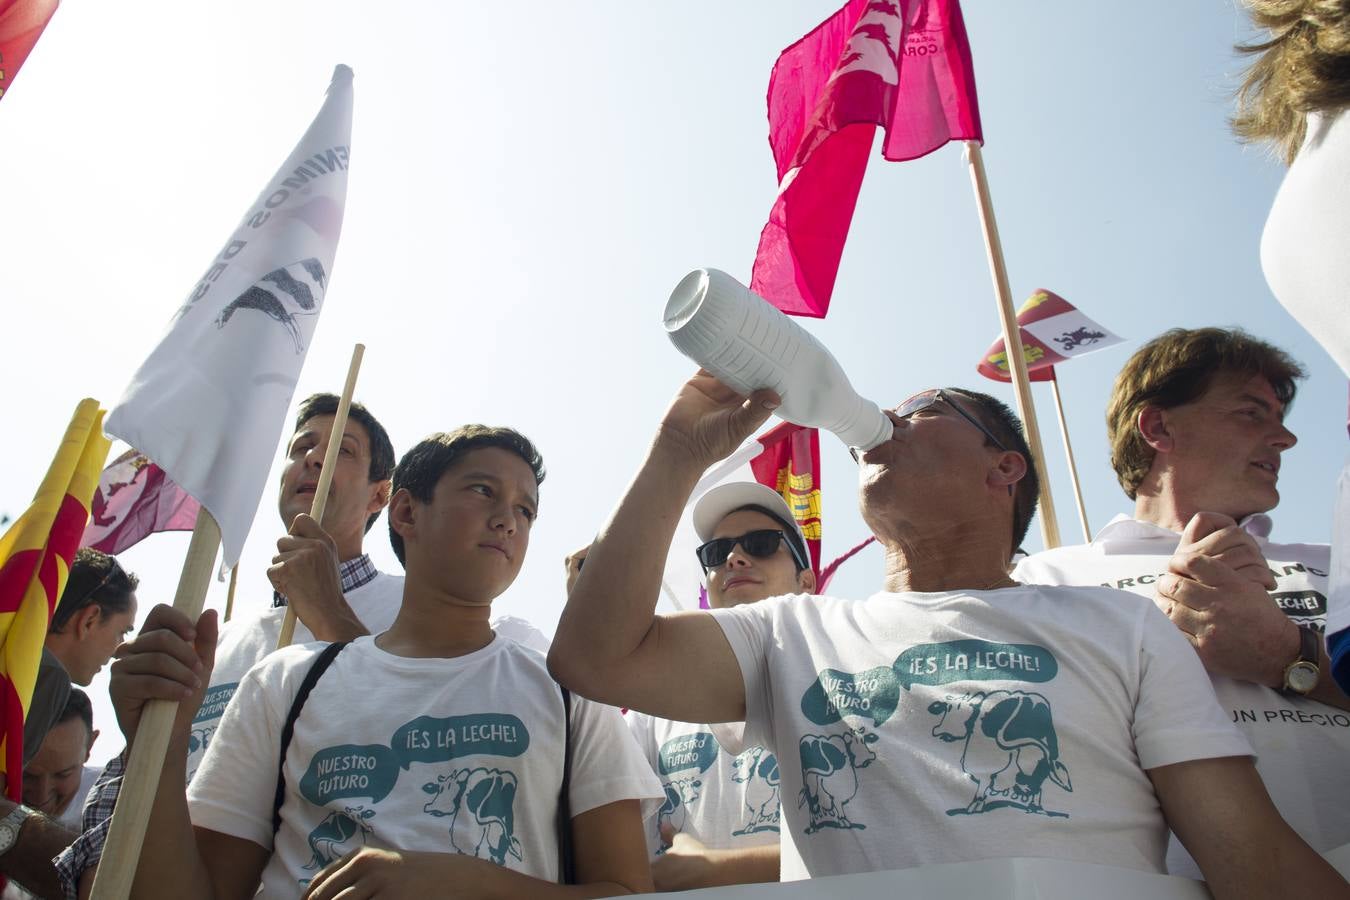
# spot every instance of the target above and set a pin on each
(1003, 719)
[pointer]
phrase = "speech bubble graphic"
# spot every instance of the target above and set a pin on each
(430, 740)
(350, 770)
(873, 694)
(973, 660)
(688, 751)
(214, 702)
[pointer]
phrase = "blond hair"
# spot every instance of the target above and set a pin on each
(1175, 368)
(1304, 67)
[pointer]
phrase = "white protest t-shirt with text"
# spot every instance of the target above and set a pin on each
(460, 755)
(725, 799)
(1302, 746)
(916, 728)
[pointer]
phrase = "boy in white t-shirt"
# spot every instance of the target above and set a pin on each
(433, 754)
(956, 715)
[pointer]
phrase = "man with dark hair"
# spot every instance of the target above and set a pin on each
(56, 780)
(957, 715)
(1196, 426)
(719, 823)
(439, 742)
(97, 610)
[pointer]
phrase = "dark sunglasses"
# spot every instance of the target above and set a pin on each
(759, 544)
(921, 401)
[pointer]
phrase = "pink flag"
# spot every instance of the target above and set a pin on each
(135, 499)
(21, 24)
(901, 64)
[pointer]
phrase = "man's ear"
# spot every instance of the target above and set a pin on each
(806, 580)
(1153, 428)
(379, 498)
(402, 513)
(83, 622)
(1011, 468)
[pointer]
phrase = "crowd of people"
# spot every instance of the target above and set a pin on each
(1160, 699)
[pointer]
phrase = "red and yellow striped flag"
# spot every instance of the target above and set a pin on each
(35, 556)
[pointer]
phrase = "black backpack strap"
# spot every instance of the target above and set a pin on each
(316, 670)
(566, 864)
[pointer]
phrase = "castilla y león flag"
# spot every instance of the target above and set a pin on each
(902, 64)
(21, 24)
(1053, 330)
(135, 499)
(786, 458)
(209, 403)
(35, 557)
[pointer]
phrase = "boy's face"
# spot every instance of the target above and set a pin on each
(470, 540)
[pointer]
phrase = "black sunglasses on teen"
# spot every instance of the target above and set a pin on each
(113, 571)
(761, 544)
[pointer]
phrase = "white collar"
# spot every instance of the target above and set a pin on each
(1125, 528)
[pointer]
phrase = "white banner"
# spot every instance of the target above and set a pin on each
(210, 402)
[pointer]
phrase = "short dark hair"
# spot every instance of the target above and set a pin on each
(1175, 368)
(1003, 423)
(95, 579)
(789, 530)
(77, 707)
(381, 448)
(421, 468)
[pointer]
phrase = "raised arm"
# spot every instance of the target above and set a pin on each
(1220, 811)
(610, 644)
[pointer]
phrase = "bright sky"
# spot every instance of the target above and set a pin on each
(530, 180)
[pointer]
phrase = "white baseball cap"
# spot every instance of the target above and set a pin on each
(721, 501)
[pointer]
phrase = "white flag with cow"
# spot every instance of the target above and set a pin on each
(210, 402)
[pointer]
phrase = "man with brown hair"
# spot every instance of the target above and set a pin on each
(1196, 425)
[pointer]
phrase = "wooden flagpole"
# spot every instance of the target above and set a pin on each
(1012, 336)
(326, 473)
(1068, 451)
(126, 833)
(229, 597)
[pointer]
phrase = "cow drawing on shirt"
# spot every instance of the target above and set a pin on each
(1010, 748)
(337, 835)
(757, 769)
(680, 792)
(481, 806)
(830, 765)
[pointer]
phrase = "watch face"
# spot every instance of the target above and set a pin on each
(7, 835)
(1302, 677)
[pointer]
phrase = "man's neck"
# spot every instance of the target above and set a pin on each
(1171, 510)
(951, 561)
(433, 624)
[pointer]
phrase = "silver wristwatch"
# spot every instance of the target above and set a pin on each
(10, 825)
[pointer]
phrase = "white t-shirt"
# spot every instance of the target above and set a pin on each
(922, 728)
(1302, 746)
(446, 755)
(244, 642)
(724, 799)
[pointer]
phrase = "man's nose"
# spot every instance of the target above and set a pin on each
(1282, 438)
(504, 519)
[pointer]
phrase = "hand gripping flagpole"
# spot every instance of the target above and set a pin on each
(1068, 451)
(1012, 337)
(326, 473)
(126, 833)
